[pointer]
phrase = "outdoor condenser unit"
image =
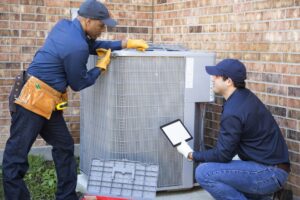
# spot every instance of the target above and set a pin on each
(122, 113)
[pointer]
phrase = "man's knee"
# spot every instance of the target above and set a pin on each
(201, 173)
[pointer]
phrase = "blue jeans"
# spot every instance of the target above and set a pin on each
(24, 130)
(240, 180)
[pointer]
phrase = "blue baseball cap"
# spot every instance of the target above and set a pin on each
(95, 10)
(231, 68)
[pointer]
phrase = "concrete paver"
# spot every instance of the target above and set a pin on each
(194, 194)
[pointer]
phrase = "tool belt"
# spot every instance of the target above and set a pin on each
(40, 98)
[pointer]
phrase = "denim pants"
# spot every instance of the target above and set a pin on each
(240, 180)
(25, 127)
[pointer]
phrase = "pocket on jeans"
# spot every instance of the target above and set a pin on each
(268, 185)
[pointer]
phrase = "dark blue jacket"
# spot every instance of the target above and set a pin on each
(61, 61)
(248, 129)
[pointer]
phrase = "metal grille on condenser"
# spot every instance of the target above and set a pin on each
(121, 114)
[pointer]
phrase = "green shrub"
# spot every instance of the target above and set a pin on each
(41, 178)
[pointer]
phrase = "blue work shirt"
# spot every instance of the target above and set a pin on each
(248, 129)
(61, 61)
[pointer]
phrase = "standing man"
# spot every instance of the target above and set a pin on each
(59, 63)
(247, 129)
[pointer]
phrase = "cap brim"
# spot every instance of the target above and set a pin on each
(109, 22)
(213, 70)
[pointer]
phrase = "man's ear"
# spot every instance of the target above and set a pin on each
(229, 82)
(87, 21)
(83, 22)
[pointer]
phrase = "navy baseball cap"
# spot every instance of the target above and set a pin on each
(231, 68)
(95, 10)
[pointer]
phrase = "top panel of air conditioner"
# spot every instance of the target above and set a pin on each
(198, 84)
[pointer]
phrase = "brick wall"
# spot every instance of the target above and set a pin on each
(264, 34)
(24, 24)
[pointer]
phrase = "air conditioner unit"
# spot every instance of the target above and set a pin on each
(122, 113)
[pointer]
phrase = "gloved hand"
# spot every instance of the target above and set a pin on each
(140, 45)
(103, 58)
(184, 149)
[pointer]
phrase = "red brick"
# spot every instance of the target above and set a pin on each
(41, 10)
(220, 19)
(273, 37)
(251, 56)
(296, 24)
(295, 114)
(282, 4)
(29, 50)
(294, 180)
(293, 13)
(28, 9)
(54, 11)
(273, 14)
(271, 57)
(283, 101)
(280, 25)
(28, 33)
(75, 4)
(57, 3)
(21, 57)
(287, 123)
(4, 8)
(257, 87)
(10, 1)
(293, 103)
(256, 67)
(4, 57)
(4, 16)
(270, 99)
(4, 24)
(293, 69)
(253, 16)
(289, 80)
(294, 146)
(292, 58)
(14, 17)
(23, 41)
(53, 18)
(43, 26)
(294, 91)
(295, 168)
(28, 2)
(259, 5)
(261, 26)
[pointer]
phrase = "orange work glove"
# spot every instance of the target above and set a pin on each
(103, 58)
(140, 45)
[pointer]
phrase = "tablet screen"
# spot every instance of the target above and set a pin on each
(176, 132)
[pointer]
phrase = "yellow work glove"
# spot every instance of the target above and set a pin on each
(140, 45)
(103, 58)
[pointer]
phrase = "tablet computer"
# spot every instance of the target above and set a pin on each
(176, 132)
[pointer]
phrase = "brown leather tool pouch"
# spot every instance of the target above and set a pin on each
(38, 97)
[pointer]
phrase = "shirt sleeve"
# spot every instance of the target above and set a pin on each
(78, 77)
(228, 140)
(113, 45)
